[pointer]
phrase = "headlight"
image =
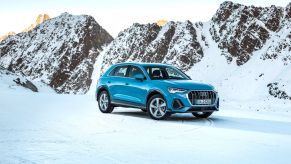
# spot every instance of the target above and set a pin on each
(215, 90)
(177, 90)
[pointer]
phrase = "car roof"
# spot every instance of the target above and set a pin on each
(143, 64)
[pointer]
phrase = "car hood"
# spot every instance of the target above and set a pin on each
(187, 84)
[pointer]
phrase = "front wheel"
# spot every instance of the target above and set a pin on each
(157, 107)
(104, 102)
(202, 114)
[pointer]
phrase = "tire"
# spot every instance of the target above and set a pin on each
(144, 110)
(202, 114)
(157, 112)
(104, 102)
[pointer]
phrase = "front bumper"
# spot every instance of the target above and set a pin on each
(186, 106)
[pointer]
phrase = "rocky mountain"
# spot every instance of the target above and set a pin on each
(238, 40)
(11, 33)
(240, 30)
(60, 52)
(40, 19)
(162, 22)
(175, 43)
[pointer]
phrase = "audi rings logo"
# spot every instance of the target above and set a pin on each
(204, 94)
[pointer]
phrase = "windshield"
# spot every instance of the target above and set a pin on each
(165, 72)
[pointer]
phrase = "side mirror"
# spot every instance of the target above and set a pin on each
(139, 77)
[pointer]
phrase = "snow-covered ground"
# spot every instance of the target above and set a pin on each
(51, 128)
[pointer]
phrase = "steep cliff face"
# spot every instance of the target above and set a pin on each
(59, 52)
(174, 43)
(241, 30)
(280, 43)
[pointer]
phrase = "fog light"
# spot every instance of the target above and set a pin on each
(177, 104)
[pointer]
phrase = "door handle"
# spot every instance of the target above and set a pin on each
(126, 83)
(108, 81)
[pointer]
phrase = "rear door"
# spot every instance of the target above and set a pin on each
(117, 81)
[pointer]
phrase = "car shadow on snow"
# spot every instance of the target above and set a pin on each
(250, 124)
(226, 122)
(184, 117)
(138, 114)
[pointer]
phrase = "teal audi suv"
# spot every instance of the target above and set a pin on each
(158, 89)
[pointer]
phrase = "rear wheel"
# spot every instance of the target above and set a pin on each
(104, 102)
(202, 114)
(157, 107)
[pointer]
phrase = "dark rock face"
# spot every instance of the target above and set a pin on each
(60, 52)
(26, 84)
(275, 91)
(175, 43)
(281, 41)
(240, 30)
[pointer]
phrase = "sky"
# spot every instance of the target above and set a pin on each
(115, 15)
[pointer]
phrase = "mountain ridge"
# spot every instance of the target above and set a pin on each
(60, 52)
(236, 32)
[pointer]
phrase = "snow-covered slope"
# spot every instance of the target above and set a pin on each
(17, 83)
(250, 82)
(65, 129)
(60, 52)
(243, 50)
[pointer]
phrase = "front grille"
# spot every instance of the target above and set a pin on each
(202, 95)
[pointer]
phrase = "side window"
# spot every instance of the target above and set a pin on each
(119, 71)
(134, 71)
(156, 73)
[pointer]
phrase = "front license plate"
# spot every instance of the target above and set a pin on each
(203, 102)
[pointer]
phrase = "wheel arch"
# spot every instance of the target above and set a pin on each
(100, 89)
(154, 92)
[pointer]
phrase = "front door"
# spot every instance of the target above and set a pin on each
(135, 89)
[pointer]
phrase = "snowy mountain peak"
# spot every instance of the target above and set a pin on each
(11, 33)
(39, 20)
(59, 52)
(162, 22)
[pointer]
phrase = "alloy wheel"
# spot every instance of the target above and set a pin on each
(158, 107)
(104, 101)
